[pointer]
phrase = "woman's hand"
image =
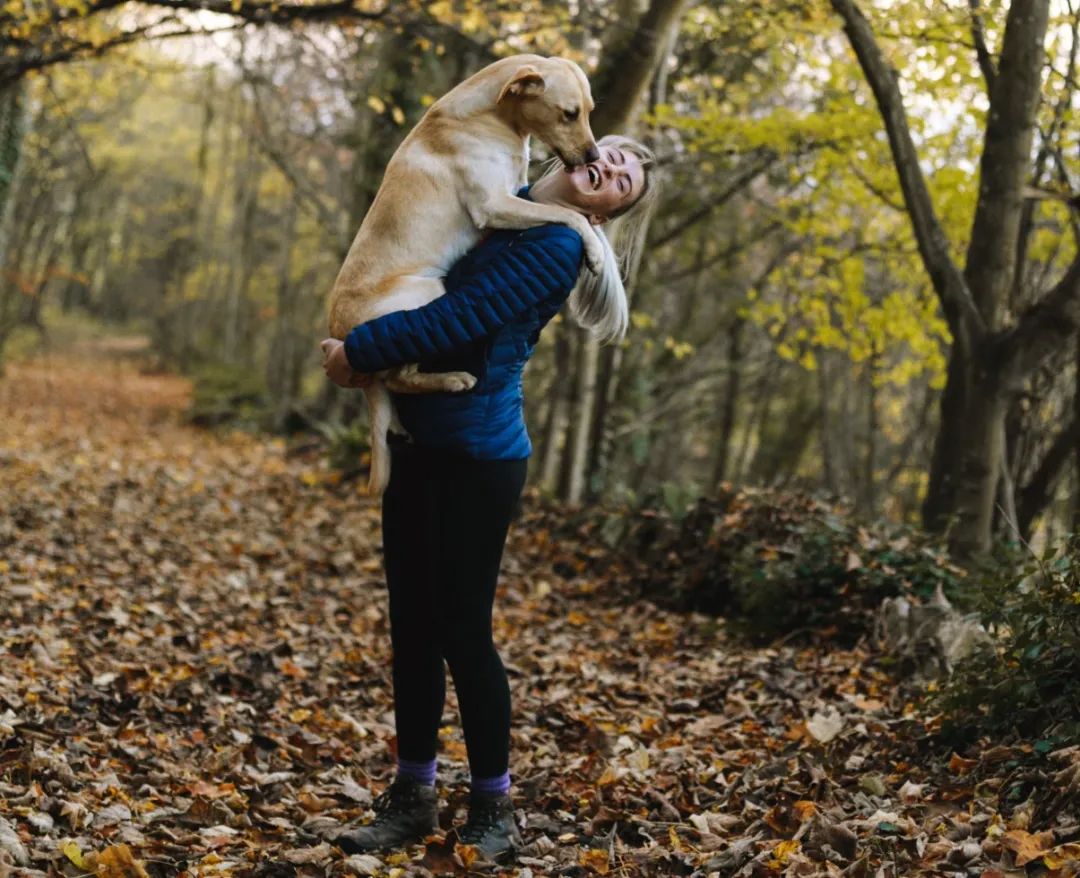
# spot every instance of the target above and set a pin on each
(337, 367)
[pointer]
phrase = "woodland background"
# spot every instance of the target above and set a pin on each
(850, 394)
(813, 282)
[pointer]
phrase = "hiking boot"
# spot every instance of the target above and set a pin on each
(491, 827)
(405, 812)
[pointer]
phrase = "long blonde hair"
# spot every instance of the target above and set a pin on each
(598, 301)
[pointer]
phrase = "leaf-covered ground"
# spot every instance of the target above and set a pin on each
(195, 679)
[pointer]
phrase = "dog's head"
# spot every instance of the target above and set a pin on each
(550, 99)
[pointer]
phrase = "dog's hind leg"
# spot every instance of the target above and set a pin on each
(351, 307)
(409, 379)
(413, 291)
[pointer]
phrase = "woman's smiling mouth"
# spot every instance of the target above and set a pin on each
(594, 176)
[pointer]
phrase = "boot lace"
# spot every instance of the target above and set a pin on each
(483, 818)
(396, 800)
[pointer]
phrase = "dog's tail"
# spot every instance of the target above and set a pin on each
(381, 411)
(598, 302)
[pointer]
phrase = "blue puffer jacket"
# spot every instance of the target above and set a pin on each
(498, 298)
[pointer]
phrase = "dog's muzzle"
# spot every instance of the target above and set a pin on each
(591, 154)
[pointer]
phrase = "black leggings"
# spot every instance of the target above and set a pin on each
(445, 520)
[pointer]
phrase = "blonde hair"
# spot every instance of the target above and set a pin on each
(598, 301)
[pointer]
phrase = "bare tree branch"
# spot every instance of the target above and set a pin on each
(330, 220)
(50, 44)
(742, 179)
(1050, 146)
(1006, 160)
(978, 34)
(949, 284)
(1039, 491)
(876, 191)
(627, 71)
(1045, 327)
(725, 253)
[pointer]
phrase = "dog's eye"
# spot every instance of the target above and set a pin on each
(571, 115)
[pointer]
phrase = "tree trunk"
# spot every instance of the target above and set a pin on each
(828, 453)
(731, 400)
(623, 79)
(282, 361)
(13, 125)
(573, 340)
(588, 360)
(554, 447)
(967, 458)
(596, 469)
(1038, 493)
(869, 493)
(241, 262)
(982, 365)
(554, 425)
(646, 48)
(1076, 442)
(13, 118)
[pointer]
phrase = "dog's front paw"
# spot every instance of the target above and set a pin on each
(456, 382)
(594, 252)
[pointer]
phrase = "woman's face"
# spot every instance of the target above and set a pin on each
(600, 188)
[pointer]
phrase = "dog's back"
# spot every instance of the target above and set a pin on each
(418, 224)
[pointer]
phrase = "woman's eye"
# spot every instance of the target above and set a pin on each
(570, 115)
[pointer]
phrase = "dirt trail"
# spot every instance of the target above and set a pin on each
(194, 662)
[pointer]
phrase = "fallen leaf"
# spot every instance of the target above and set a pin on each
(10, 842)
(782, 853)
(1026, 846)
(467, 854)
(595, 859)
(1062, 855)
(825, 725)
(959, 765)
(72, 851)
(911, 792)
(114, 862)
(363, 864)
(306, 856)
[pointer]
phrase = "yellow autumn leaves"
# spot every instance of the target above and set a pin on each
(113, 862)
(378, 105)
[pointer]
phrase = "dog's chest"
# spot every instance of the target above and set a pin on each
(520, 168)
(462, 239)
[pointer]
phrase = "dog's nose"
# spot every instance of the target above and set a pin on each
(592, 154)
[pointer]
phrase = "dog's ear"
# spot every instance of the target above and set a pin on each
(527, 82)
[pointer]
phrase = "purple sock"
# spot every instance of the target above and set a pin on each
(491, 786)
(421, 772)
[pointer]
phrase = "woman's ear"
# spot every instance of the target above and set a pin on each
(596, 220)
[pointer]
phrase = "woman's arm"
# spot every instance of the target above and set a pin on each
(538, 264)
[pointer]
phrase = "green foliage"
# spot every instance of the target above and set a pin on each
(777, 564)
(228, 395)
(348, 445)
(1028, 680)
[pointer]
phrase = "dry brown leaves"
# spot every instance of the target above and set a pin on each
(194, 679)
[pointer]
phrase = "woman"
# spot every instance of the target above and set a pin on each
(455, 484)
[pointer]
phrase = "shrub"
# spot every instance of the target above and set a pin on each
(348, 447)
(777, 564)
(1027, 681)
(227, 395)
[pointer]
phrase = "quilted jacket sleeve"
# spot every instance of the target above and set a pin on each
(537, 265)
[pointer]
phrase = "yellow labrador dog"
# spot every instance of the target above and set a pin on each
(455, 174)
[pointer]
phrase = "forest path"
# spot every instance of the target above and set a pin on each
(194, 662)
